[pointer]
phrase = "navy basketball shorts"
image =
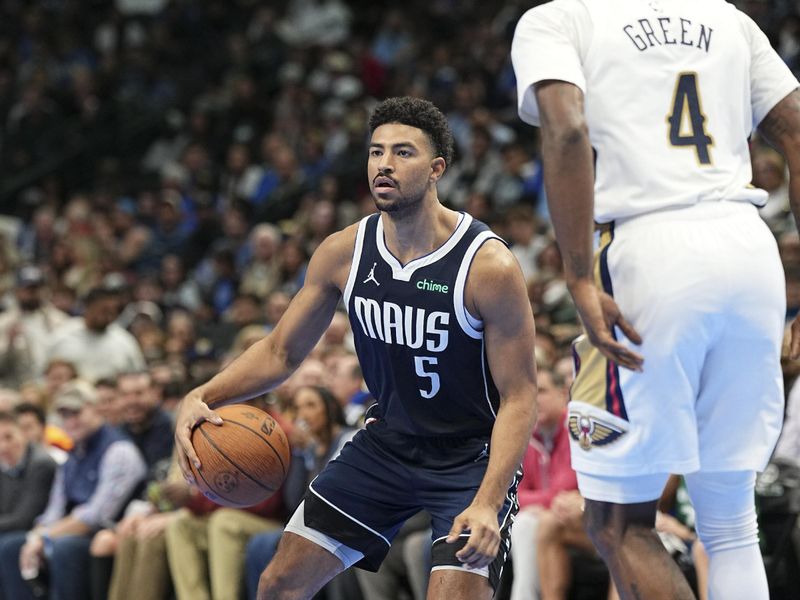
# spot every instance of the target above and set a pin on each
(381, 478)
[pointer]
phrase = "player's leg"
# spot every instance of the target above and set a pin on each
(620, 521)
(351, 512)
(724, 504)
(450, 583)
(445, 498)
(299, 570)
(305, 561)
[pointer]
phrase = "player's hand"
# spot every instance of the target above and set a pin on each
(599, 314)
(794, 340)
(191, 412)
(484, 536)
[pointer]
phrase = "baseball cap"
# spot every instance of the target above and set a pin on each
(30, 275)
(74, 395)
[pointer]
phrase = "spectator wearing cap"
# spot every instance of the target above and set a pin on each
(26, 329)
(96, 345)
(90, 490)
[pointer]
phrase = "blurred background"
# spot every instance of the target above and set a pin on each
(167, 167)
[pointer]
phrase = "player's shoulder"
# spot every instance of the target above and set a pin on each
(341, 242)
(333, 256)
(493, 261)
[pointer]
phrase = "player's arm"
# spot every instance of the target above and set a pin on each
(569, 181)
(781, 128)
(268, 362)
(496, 292)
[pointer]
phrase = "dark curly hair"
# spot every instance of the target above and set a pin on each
(419, 113)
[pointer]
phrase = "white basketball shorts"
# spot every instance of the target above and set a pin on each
(704, 287)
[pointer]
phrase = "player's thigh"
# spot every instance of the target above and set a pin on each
(362, 498)
(447, 492)
(740, 406)
(446, 583)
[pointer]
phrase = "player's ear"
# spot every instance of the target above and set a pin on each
(438, 167)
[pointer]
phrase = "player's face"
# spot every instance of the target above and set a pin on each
(400, 166)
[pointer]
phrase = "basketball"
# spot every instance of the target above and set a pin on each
(244, 460)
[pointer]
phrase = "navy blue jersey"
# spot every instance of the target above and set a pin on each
(421, 352)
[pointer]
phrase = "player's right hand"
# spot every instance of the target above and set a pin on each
(599, 314)
(191, 412)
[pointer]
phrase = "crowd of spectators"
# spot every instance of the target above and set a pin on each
(167, 167)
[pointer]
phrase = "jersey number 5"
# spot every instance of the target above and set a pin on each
(687, 121)
(420, 366)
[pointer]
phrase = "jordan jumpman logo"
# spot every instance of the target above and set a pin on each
(371, 276)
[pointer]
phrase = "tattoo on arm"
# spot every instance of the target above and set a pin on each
(782, 120)
(578, 265)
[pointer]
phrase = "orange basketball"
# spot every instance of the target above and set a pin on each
(244, 460)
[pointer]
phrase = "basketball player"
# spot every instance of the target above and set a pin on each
(444, 332)
(646, 108)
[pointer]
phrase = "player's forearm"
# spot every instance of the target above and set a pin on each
(260, 368)
(568, 174)
(510, 436)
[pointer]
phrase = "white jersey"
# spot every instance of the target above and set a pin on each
(672, 89)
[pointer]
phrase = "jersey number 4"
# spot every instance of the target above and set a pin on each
(687, 121)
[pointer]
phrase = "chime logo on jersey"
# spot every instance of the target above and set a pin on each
(403, 325)
(429, 285)
(590, 431)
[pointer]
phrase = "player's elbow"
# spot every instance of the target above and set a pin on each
(566, 136)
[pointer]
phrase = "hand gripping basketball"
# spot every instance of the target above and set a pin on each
(191, 413)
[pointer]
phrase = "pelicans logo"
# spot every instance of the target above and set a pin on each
(590, 431)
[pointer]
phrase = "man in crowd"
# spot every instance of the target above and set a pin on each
(96, 345)
(102, 473)
(26, 329)
(26, 474)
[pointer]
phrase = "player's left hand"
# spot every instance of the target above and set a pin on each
(794, 340)
(484, 536)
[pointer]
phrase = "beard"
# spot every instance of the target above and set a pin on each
(401, 204)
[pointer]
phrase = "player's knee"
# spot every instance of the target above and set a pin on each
(725, 532)
(274, 583)
(725, 509)
(609, 524)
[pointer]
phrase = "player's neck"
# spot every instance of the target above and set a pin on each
(416, 234)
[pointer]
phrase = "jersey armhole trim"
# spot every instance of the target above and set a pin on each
(351, 277)
(470, 325)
